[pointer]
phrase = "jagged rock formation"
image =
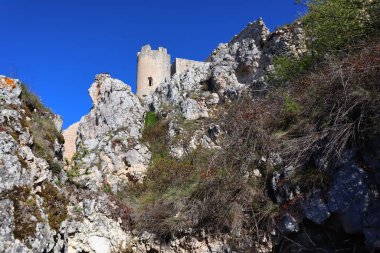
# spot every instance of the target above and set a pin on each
(109, 151)
(352, 197)
(96, 223)
(242, 63)
(245, 61)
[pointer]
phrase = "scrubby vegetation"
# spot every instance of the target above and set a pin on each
(333, 28)
(341, 105)
(334, 25)
(155, 135)
(26, 213)
(42, 128)
(328, 101)
(55, 205)
(222, 190)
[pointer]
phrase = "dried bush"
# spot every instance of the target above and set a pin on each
(26, 213)
(341, 107)
(42, 128)
(213, 189)
(55, 205)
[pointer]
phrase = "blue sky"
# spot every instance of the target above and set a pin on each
(58, 46)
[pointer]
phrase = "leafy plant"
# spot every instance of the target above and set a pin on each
(288, 68)
(151, 119)
(155, 135)
(332, 25)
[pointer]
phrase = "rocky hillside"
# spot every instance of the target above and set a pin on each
(272, 145)
(33, 207)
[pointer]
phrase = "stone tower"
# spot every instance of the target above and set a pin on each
(153, 68)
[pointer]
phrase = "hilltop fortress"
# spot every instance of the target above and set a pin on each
(153, 68)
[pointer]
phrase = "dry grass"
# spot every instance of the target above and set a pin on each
(213, 189)
(341, 102)
(42, 128)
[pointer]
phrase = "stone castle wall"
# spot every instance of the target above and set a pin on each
(153, 68)
(181, 65)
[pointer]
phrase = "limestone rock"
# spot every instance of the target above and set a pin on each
(108, 150)
(70, 135)
(182, 93)
(93, 229)
(114, 107)
(246, 60)
(22, 170)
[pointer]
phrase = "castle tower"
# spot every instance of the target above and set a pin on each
(153, 68)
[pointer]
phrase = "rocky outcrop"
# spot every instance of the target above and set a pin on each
(351, 199)
(70, 135)
(237, 67)
(97, 224)
(25, 176)
(232, 68)
(109, 152)
(246, 60)
(186, 93)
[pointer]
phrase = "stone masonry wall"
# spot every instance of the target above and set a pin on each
(181, 65)
(154, 65)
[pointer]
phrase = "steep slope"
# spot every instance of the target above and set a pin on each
(32, 206)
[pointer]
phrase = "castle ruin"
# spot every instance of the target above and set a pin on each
(154, 68)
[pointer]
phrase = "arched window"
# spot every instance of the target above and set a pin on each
(150, 79)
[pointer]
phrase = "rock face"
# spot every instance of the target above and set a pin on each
(108, 149)
(70, 135)
(96, 224)
(352, 197)
(25, 176)
(245, 61)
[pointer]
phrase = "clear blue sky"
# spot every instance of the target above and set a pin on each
(58, 46)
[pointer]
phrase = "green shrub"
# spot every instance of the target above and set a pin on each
(288, 68)
(290, 111)
(332, 25)
(155, 135)
(331, 28)
(74, 171)
(151, 119)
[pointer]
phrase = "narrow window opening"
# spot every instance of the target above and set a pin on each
(150, 79)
